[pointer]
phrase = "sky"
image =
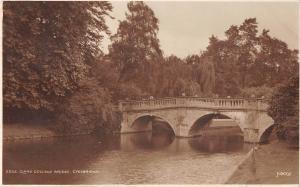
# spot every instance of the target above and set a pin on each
(185, 27)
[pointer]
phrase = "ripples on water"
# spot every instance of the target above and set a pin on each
(140, 158)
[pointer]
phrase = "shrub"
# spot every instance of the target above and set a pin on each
(88, 109)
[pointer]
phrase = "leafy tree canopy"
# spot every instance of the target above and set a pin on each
(45, 44)
(245, 59)
(135, 45)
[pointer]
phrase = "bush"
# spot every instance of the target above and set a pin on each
(89, 109)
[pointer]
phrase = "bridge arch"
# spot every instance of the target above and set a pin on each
(266, 126)
(147, 119)
(202, 122)
(264, 137)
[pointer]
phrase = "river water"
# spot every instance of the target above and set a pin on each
(141, 158)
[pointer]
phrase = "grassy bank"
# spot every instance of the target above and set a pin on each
(273, 163)
(18, 131)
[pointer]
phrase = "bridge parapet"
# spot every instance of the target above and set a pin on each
(194, 102)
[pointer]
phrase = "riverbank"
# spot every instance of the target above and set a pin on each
(18, 131)
(273, 163)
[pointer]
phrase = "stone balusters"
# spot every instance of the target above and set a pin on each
(213, 103)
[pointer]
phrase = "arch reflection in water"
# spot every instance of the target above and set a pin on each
(157, 134)
(217, 143)
(146, 140)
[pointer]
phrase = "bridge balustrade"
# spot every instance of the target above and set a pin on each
(153, 104)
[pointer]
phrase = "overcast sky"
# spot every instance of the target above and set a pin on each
(184, 27)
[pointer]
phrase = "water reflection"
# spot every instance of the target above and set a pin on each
(128, 158)
(149, 140)
(217, 144)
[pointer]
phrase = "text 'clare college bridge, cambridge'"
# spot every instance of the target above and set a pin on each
(183, 113)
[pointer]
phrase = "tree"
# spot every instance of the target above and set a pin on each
(135, 45)
(275, 61)
(206, 75)
(44, 49)
(192, 59)
(224, 57)
(87, 110)
(284, 106)
(248, 60)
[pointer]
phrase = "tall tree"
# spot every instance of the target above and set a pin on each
(44, 49)
(135, 45)
(206, 77)
(224, 57)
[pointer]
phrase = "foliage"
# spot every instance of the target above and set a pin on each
(245, 59)
(45, 44)
(88, 109)
(284, 106)
(233, 66)
(175, 77)
(106, 74)
(135, 45)
(206, 75)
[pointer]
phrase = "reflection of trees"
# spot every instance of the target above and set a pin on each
(214, 144)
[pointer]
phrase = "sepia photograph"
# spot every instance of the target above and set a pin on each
(150, 92)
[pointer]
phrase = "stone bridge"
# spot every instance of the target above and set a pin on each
(182, 113)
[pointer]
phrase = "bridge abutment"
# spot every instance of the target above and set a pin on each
(251, 135)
